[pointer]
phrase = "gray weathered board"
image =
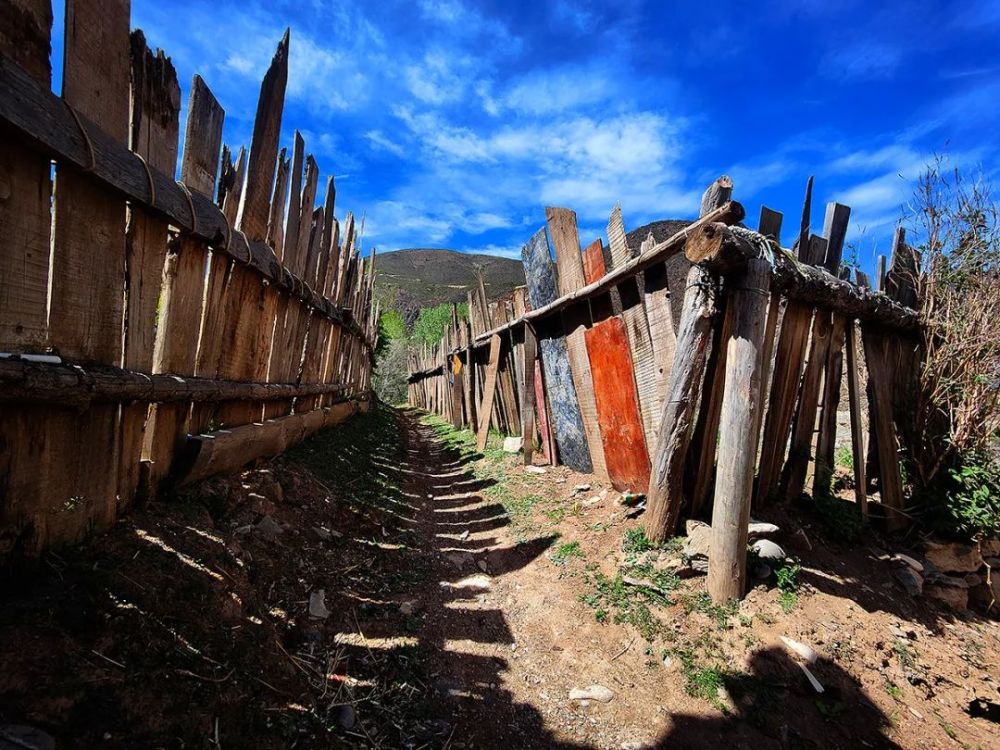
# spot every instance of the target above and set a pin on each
(566, 418)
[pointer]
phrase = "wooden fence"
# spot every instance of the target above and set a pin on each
(154, 330)
(711, 380)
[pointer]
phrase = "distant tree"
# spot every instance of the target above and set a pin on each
(432, 321)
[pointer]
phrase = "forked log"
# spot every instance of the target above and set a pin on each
(665, 494)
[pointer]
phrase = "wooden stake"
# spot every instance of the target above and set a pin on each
(727, 573)
(486, 405)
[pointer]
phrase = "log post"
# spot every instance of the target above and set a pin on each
(666, 482)
(738, 428)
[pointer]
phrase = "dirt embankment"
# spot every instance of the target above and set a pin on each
(384, 586)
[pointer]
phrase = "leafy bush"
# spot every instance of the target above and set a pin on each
(432, 321)
(971, 503)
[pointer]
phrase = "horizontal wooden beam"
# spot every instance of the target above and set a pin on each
(35, 115)
(729, 213)
(25, 381)
(720, 249)
(227, 451)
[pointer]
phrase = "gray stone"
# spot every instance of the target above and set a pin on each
(907, 560)
(534, 470)
(269, 527)
(955, 582)
(911, 581)
(768, 552)
(972, 579)
(699, 540)
(592, 693)
(581, 488)
(758, 529)
(317, 604)
(512, 444)
(954, 557)
(22, 736)
(346, 717)
(762, 572)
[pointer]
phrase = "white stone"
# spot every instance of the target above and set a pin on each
(592, 693)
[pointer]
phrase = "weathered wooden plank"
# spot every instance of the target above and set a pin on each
(727, 574)
(529, 356)
(566, 244)
(25, 214)
(227, 451)
(155, 114)
(87, 281)
(804, 424)
(26, 460)
(489, 391)
(617, 401)
(665, 497)
(656, 299)
(830, 402)
(788, 360)
(565, 412)
(636, 327)
(857, 425)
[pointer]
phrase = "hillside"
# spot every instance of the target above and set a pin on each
(416, 278)
(422, 277)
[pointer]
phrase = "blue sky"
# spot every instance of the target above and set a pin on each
(452, 124)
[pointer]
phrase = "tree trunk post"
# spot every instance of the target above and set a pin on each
(738, 434)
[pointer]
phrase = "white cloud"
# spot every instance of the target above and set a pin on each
(380, 142)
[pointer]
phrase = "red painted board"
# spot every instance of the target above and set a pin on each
(622, 434)
(543, 417)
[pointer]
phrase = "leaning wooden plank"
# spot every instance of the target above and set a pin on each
(576, 320)
(804, 425)
(769, 225)
(656, 299)
(155, 114)
(469, 382)
(788, 360)
(727, 573)
(529, 355)
(830, 403)
(25, 216)
(228, 451)
(565, 412)
(857, 425)
(636, 327)
(489, 391)
(665, 497)
(617, 401)
(25, 221)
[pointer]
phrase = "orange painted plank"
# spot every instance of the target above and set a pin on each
(622, 435)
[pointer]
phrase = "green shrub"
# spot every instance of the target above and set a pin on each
(971, 500)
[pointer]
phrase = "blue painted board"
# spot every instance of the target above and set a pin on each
(567, 423)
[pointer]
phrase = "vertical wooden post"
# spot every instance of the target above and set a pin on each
(666, 482)
(857, 431)
(529, 355)
(738, 444)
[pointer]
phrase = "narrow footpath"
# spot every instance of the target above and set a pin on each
(385, 585)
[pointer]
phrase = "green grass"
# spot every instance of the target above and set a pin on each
(635, 541)
(627, 604)
(566, 552)
(788, 585)
(893, 689)
(702, 602)
(844, 456)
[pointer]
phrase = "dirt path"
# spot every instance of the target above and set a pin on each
(384, 585)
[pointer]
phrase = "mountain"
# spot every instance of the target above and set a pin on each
(409, 280)
(412, 279)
